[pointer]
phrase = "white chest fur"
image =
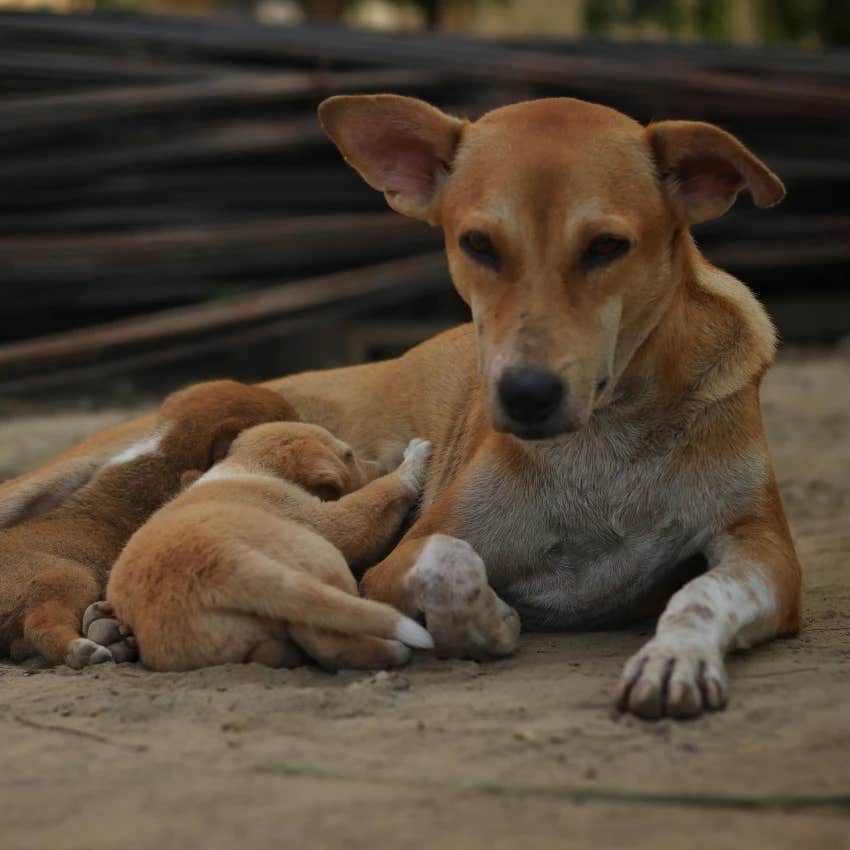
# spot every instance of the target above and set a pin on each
(590, 527)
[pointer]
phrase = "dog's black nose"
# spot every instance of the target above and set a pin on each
(529, 395)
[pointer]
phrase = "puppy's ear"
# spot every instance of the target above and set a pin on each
(325, 477)
(401, 146)
(704, 168)
(222, 438)
(189, 477)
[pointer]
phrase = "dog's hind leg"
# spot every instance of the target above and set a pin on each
(335, 651)
(56, 600)
(261, 586)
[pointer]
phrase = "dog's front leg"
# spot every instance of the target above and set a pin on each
(751, 593)
(443, 580)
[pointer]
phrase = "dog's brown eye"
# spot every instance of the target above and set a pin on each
(604, 249)
(479, 246)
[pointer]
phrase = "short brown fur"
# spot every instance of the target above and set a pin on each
(659, 352)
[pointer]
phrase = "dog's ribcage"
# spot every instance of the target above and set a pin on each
(588, 529)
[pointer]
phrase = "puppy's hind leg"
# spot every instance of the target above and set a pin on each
(335, 651)
(261, 586)
(56, 600)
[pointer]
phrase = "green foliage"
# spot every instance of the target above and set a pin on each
(783, 21)
(118, 5)
(793, 21)
(433, 9)
(602, 15)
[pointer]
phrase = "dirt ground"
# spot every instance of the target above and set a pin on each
(521, 752)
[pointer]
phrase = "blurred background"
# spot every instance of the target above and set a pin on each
(171, 210)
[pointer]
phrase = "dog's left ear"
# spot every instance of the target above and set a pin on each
(401, 146)
(704, 168)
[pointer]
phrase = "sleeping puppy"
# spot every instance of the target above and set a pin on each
(53, 566)
(250, 564)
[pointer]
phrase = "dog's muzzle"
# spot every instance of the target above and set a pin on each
(531, 399)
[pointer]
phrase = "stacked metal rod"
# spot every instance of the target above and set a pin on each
(149, 164)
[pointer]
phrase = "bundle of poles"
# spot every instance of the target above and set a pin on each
(167, 189)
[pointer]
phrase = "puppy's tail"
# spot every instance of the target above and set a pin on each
(261, 586)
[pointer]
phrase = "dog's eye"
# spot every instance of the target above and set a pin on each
(348, 455)
(604, 249)
(479, 246)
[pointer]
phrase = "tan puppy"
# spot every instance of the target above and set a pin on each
(597, 429)
(54, 566)
(249, 564)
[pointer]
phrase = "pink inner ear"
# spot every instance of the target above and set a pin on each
(395, 157)
(708, 177)
(707, 185)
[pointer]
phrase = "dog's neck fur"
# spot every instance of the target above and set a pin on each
(708, 341)
(713, 339)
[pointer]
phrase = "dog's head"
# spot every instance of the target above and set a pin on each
(203, 420)
(563, 223)
(307, 455)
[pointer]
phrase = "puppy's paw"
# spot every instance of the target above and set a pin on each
(101, 627)
(83, 652)
(672, 676)
(464, 616)
(414, 465)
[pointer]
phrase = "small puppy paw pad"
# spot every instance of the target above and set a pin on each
(83, 652)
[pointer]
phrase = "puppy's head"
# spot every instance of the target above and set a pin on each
(307, 455)
(563, 223)
(200, 422)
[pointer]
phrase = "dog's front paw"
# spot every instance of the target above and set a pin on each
(101, 627)
(414, 465)
(465, 617)
(673, 675)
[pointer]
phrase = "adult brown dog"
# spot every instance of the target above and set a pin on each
(54, 566)
(598, 425)
(250, 564)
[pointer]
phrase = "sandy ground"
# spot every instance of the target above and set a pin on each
(522, 752)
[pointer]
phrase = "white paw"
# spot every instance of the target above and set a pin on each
(83, 652)
(464, 616)
(673, 675)
(414, 465)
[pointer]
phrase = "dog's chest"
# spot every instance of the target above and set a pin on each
(589, 531)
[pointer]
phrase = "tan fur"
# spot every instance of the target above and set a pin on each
(665, 461)
(249, 564)
(55, 565)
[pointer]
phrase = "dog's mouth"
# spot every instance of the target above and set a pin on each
(548, 429)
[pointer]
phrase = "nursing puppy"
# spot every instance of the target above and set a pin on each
(249, 564)
(53, 566)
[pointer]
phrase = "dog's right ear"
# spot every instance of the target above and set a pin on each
(703, 169)
(401, 146)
